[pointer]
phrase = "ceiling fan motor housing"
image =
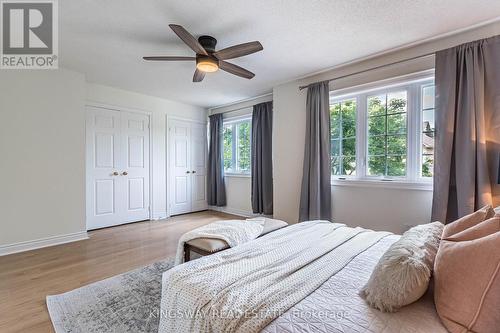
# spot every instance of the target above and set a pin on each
(208, 43)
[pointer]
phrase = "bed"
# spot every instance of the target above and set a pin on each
(336, 306)
(303, 278)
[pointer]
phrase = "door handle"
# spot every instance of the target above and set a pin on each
(188, 171)
(124, 173)
(115, 173)
(194, 171)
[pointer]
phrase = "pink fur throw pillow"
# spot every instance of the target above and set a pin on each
(467, 279)
(468, 221)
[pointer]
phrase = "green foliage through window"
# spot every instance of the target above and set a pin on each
(228, 147)
(343, 137)
(428, 131)
(387, 126)
(237, 146)
(244, 146)
(394, 122)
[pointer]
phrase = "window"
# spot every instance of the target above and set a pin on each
(343, 137)
(384, 133)
(236, 145)
(387, 134)
(428, 131)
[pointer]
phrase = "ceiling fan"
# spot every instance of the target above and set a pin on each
(207, 59)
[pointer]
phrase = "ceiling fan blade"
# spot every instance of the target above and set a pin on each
(198, 75)
(169, 58)
(239, 50)
(188, 39)
(236, 70)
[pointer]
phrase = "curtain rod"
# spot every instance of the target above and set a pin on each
(373, 68)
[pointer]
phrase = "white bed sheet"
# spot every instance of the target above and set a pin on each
(336, 306)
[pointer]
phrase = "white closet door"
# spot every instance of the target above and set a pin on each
(135, 170)
(199, 166)
(117, 167)
(180, 167)
(104, 206)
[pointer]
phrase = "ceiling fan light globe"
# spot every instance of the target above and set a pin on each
(207, 64)
(207, 67)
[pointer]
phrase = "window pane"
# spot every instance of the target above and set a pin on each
(343, 137)
(428, 143)
(428, 120)
(376, 105)
(428, 97)
(396, 102)
(376, 165)
(349, 165)
(396, 166)
(376, 125)
(335, 146)
(335, 121)
(335, 165)
(244, 146)
(387, 144)
(349, 119)
(428, 166)
(228, 147)
(428, 131)
(396, 144)
(349, 147)
(396, 123)
(376, 145)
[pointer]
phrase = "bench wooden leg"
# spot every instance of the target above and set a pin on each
(187, 253)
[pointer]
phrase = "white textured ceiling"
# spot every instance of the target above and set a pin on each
(106, 39)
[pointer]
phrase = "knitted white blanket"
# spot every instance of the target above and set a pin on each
(233, 232)
(244, 288)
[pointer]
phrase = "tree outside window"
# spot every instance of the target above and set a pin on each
(343, 137)
(237, 146)
(373, 132)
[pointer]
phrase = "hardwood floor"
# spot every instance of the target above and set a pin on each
(26, 278)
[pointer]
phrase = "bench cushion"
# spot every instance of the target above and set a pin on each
(215, 245)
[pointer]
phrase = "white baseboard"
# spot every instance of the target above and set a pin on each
(43, 242)
(159, 215)
(233, 211)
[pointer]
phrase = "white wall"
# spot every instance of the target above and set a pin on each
(42, 154)
(42, 149)
(159, 108)
(238, 188)
(377, 208)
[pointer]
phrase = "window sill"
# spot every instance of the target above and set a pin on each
(238, 175)
(392, 184)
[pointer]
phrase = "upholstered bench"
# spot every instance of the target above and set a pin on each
(207, 246)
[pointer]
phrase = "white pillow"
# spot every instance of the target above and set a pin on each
(497, 210)
(402, 274)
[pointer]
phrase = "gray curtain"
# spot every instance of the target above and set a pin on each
(467, 129)
(315, 196)
(262, 158)
(215, 171)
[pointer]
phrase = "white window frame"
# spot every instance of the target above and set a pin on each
(420, 130)
(234, 122)
(413, 85)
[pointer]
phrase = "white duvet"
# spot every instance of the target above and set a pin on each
(336, 307)
(244, 288)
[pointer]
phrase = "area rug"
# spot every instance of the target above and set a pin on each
(129, 302)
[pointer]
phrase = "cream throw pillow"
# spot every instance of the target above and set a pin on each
(402, 274)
